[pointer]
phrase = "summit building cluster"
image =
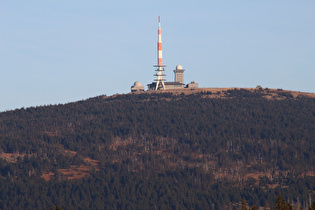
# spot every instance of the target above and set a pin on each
(160, 83)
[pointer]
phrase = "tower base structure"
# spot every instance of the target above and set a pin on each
(159, 84)
(177, 84)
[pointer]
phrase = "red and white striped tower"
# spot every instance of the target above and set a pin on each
(159, 81)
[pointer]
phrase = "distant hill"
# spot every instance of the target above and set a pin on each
(206, 148)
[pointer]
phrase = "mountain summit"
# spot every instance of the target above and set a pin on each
(205, 148)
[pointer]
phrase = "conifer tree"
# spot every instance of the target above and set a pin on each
(244, 205)
(281, 204)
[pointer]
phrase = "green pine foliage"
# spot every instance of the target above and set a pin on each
(161, 151)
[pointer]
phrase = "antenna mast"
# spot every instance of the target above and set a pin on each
(159, 80)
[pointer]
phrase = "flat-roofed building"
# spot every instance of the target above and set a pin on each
(192, 85)
(168, 85)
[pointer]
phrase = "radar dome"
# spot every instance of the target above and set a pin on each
(137, 84)
(179, 67)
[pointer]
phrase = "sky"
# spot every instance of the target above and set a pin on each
(60, 51)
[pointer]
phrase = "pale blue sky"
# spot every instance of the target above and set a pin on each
(59, 51)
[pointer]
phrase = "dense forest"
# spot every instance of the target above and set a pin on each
(207, 150)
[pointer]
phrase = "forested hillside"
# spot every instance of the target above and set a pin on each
(207, 150)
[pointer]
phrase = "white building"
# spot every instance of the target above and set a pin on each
(137, 86)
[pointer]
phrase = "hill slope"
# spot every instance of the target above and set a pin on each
(195, 149)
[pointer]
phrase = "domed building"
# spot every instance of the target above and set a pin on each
(137, 86)
(179, 74)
